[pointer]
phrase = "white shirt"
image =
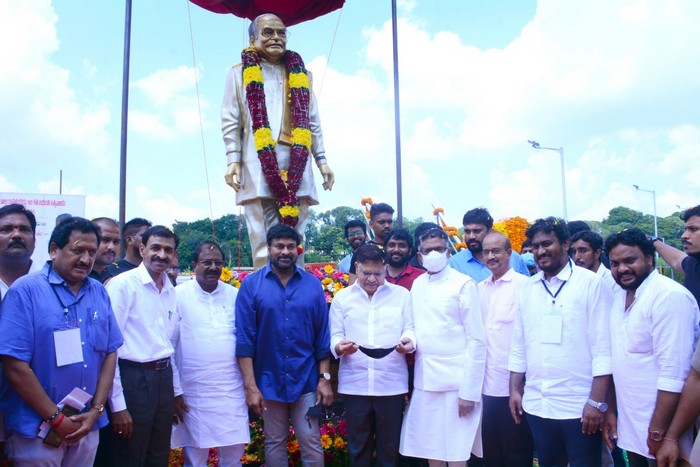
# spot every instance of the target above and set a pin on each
(212, 385)
(652, 345)
(377, 322)
(498, 306)
(451, 353)
(607, 278)
(146, 318)
(561, 346)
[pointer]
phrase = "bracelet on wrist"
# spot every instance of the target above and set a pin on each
(57, 423)
(671, 440)
(48, 420)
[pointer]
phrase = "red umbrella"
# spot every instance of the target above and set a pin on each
(289, 11)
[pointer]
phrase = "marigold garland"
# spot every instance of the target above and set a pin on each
(283, 186)
(514, 228)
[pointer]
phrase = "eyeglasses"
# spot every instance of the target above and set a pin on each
(355, 233)
(495, 251)
(208, 264)
(269, 32)
(439, 249)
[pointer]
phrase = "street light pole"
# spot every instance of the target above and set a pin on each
(653, 194)
(560, 150)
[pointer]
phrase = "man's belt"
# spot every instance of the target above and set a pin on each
(158, 365)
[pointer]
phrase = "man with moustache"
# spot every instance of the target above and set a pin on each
(131, 237)
(146, 395)
(381, 221)
(560, 352)
(654, 329)
(588, 251)
(505, 443)
(450, 357)
(356, 235)
(57, 333)
(17, 237)
(283, 348)
(109, 246)
(477, 223)
(212, 386)
(687, 263)
(398, 248)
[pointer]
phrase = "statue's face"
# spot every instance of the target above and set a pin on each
(271, 42)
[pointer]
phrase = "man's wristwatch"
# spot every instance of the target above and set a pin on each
(653, 239)
(324, 376)
(656, 435)
(602, 406)
(99, 407)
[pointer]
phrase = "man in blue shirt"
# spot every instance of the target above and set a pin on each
(57, 334)
(283, 348)
(477, 223)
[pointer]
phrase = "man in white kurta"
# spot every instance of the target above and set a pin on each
(654, 329)
(244, 174)
(209, 373)
(443, 415)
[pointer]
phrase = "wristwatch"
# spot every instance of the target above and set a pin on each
(602, 406)
(656, 435)
(99, 407)
(325, 376)
(653, 239)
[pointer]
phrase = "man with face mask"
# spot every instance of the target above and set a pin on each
(470, 261)
(450, 360)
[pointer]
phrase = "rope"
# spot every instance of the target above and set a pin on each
(328, 59)
(201, 124)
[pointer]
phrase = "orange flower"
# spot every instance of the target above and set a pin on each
(366, 201)
(438, 210)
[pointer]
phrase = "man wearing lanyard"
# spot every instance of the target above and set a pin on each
(143, 403)
(58, 336)
(398, 247)
(561, 344)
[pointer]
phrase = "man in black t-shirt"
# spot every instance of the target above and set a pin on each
(688, 262)
(131, 237)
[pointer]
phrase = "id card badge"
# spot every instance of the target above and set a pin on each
(68, 347)
(551, 329)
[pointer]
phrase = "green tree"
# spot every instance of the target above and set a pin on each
(227, 235)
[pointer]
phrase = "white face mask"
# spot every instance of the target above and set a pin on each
(435, 261)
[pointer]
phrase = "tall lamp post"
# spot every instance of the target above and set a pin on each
(536, 145)
(653, 194)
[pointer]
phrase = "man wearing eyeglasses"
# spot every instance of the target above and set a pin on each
(505, 443)
(371, 330)
(443, 416)
(356, 235)
(212, 385)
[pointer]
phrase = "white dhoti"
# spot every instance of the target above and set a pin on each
(433, 429)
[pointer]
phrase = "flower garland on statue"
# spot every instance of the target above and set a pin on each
(283, 187)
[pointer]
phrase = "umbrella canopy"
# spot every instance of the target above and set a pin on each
(289, 11)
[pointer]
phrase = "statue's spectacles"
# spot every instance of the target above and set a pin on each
(269, 33)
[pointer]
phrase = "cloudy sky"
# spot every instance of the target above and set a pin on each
(613, 82)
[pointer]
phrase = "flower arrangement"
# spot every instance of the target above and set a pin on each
(514, 228)
(367, 204)
(331, 279)
(452, 232)
(233, 277)
(283, 185)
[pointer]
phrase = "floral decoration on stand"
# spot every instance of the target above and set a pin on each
(331, 279)
(233, 277)
(283, 185)
(452, 232)
(514, 228)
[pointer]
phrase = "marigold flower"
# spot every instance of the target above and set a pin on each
(252, 74)
(366, 201)
(289, 211)
(263, 138)
(298, 80)
(301, 136)
(438, 210)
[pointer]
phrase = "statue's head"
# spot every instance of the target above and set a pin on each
(268, 35)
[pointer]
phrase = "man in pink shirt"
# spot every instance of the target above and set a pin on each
(504, 442)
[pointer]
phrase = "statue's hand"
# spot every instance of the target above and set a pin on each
(328, 177)
(233, 175)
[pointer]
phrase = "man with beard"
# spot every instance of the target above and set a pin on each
(146, 391)
(57, 334)
(653, 328)
(356, 235)
(587, 249)
(442, 419)
(505, 443)
(109, 246)
(283, 348)
(477, 223)
(687, 263)
(212, 386)
(131, 236)
(560, 352)
(398, 249)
